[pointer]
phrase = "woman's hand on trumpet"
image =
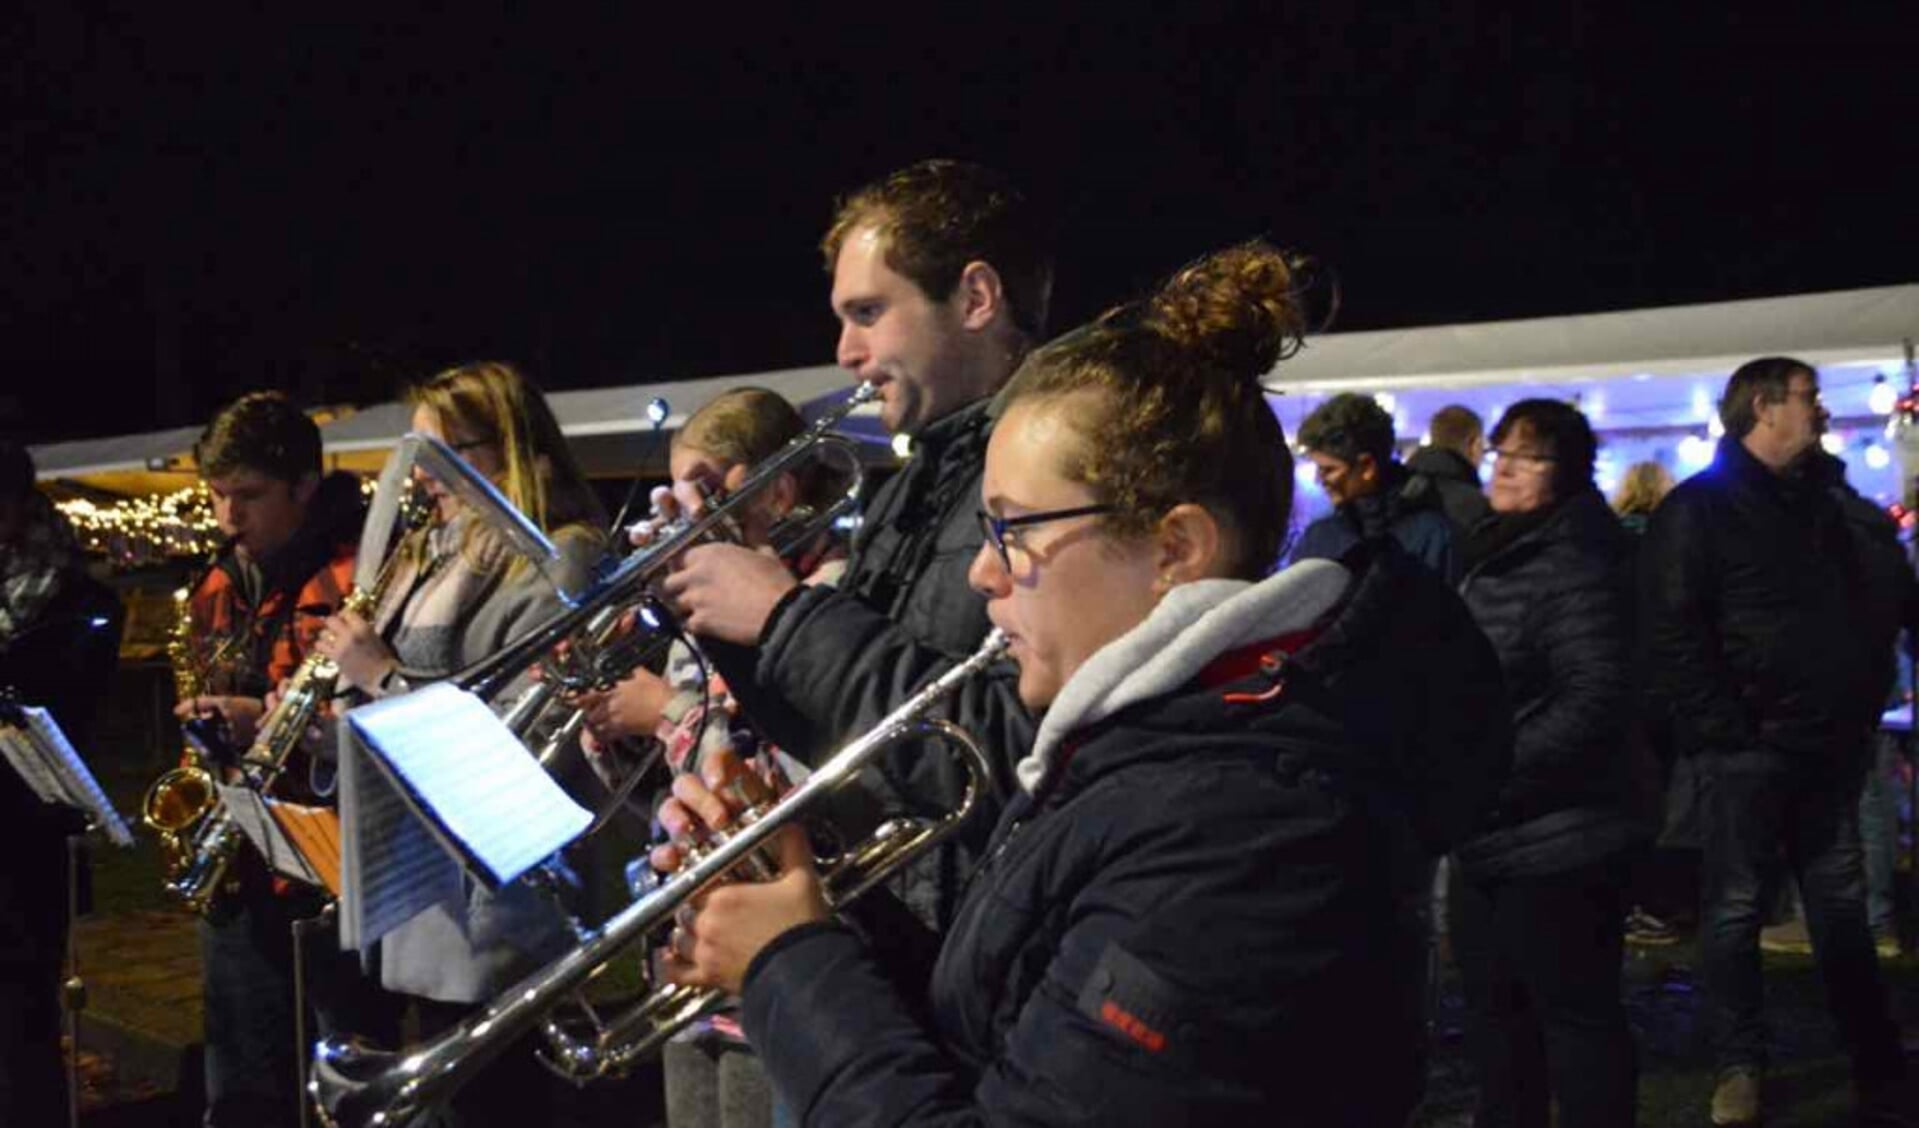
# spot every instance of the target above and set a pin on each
(718, 934)
(633, 707)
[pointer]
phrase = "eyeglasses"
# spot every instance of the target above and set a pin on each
(1499, 456)
(996, 528)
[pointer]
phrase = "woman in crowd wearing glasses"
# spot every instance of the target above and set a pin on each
(1186, 913)
(1537, 916)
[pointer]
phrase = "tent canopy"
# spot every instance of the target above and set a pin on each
(1658, 368)
(1647, 368)
(608, 428)
(1844, 327)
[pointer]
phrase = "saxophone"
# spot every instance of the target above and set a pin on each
(202, 864)
(210, 851)
(184, 795)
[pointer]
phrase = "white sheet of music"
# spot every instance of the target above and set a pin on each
(467, 778)
(391, 867)
(248, 811)
(40, 753)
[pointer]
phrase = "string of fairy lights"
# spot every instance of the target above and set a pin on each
(143, 532)
(139, 532)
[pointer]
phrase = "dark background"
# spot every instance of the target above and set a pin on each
(200, 202)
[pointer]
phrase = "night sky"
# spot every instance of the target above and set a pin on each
(196, 208)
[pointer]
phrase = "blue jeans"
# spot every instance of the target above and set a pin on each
(1760, 812)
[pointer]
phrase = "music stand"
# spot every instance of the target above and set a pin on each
(31, 741)
(434, 786)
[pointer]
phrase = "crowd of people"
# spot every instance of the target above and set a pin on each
(1225, 765)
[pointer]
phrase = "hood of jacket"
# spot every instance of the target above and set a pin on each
(1394, 691)
(1193, 625)
(1446, 465)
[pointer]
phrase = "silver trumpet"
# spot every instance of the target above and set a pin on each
(600, 646)
(353, 1085)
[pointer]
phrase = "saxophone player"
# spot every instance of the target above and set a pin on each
(292, 533)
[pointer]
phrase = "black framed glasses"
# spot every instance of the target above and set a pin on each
(1524, 458)
(996, 528)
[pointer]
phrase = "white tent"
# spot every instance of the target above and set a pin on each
(1649, 379)
(1844, 327)
(1636, 369)
(609, 429)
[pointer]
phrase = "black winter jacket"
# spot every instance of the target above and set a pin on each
(832, 661)
(1405, 508)
(1448, 474)
(1556, 602)
(1769, 605)
(1190, 921)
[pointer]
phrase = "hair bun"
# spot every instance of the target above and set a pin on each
(1241, 308)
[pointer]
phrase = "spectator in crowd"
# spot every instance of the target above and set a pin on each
(1449, 464)
(1666, 874)
(1770, 619)
(1349, 439)
(1643, 487)
(1536, 904)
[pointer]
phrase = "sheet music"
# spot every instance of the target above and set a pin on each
(248, 811)
(315, 833)
(471, 780)
(391, 868)
(40, 753)
(17, 745)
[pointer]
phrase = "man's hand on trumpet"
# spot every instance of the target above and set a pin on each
(717, 934)
(726, 591)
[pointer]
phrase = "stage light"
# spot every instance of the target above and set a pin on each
(1878, 457)
(1832, 443)
(1695, 452)
(1883, 397)
(657, 411)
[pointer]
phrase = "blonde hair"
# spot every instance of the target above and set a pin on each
(744, 427)
(493, 401)
(1642, 488)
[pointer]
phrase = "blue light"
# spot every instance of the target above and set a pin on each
(98, 621)
(657, 411)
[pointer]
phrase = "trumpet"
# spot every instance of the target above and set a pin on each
(600, 647)
(353, 1085)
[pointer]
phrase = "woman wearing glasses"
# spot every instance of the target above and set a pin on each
(1537, 918)
(1186, 913)
(457, 595)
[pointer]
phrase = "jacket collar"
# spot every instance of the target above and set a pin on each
(950, 428)
(1192, 626)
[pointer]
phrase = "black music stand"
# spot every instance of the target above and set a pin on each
(31, 741)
